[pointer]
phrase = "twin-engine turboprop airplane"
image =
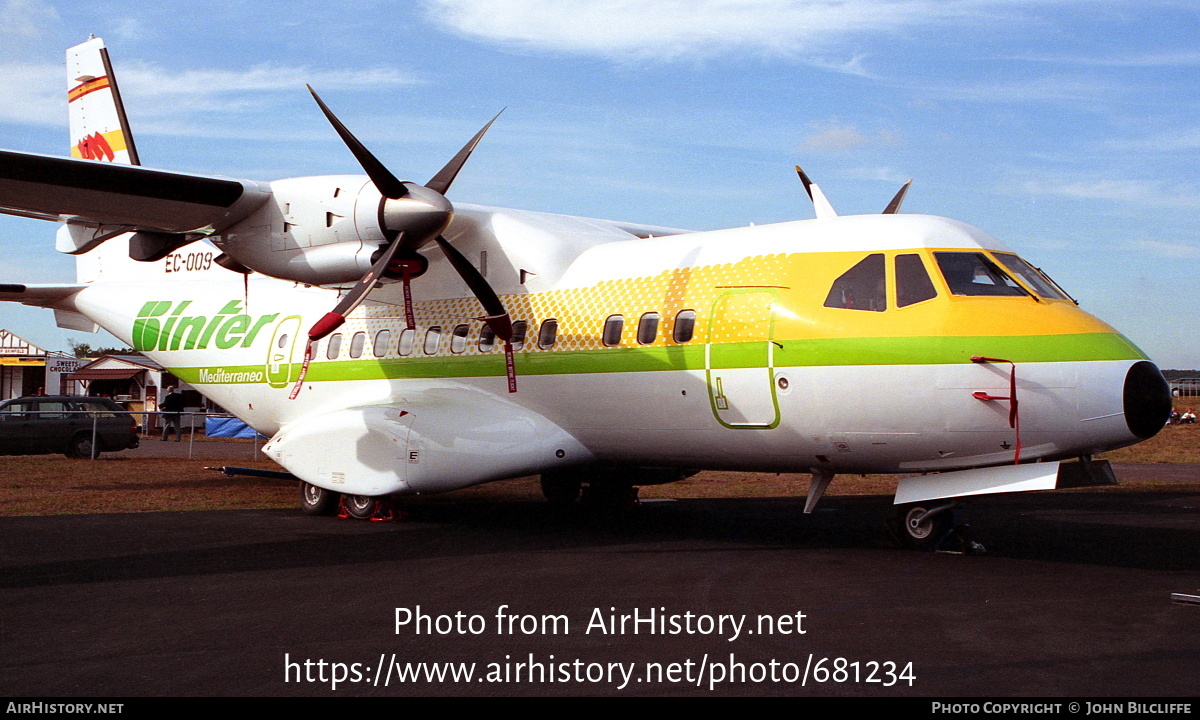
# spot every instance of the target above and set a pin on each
(609, 354)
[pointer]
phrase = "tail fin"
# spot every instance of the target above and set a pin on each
(100, 131)
(99, 127)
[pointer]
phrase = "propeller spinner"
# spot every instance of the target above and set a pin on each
(411, 215)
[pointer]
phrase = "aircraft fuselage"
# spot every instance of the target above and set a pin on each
(787, 365)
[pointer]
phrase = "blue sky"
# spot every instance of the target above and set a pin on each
(1069, 130)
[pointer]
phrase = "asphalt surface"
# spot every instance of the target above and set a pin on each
(1072, 598)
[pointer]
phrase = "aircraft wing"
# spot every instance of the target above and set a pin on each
(126, 197)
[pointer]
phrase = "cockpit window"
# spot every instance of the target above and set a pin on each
(1033, 277)
(912, 281)
(862, 287)
(974, 274)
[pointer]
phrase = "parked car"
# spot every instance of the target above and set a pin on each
(64, 424)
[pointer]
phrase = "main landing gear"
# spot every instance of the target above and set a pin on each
(319, 501)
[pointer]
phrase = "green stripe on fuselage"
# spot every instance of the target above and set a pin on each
(794, 353)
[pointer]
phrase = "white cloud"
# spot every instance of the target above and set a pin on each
(36, 93)
(150, 81)
(1183, 139)
(1149, 193)
(33, 93)
(1171, 250)
(882, 174)
(837, 136)
(25, 18)
(853, 66)
(674, 29)
(1054, 88)
(1171, 58)
(128, 29)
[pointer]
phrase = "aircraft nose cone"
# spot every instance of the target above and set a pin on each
(1147, 400)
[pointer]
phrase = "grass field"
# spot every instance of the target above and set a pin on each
(51, 484)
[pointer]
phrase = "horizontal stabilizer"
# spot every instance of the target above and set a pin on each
(47, 296)
(131, 197)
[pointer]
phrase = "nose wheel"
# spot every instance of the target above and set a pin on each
(923, 526)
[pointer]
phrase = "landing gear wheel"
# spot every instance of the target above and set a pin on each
(923, 526)
(80, 447)
(362, 507)
(561, 489)
(317, 501)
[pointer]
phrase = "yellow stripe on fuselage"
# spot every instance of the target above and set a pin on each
(800, 283)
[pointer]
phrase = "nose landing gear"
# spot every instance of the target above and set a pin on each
(931, 526)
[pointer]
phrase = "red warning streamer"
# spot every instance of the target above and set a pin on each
(1014, 417)
(510, 366)
(308, 353)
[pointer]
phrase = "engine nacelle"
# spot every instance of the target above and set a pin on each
(315, 230)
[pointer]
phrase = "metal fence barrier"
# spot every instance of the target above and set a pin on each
(143, 426)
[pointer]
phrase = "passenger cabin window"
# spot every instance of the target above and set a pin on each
(334, 348)
(862, 287)
(974, 274)
(1034, 278)
(458, 339)
(380, 345)
(912, 281)
(433, 338)
(647, 328)
(518, 339)
(357, 342)
(685, 326)
(612, 330)
(487, 338)
(408, 338)
(548, 334)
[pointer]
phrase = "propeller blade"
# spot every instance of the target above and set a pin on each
(497, 316)
(894, 206)
(384, 180)
(820, 204)
(333, 320)
(442, 181)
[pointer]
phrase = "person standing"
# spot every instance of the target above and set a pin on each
(172, 406)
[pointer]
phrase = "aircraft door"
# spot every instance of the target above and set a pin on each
(281, 368)
(739, 360)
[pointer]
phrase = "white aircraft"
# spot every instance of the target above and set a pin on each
(608, 354)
